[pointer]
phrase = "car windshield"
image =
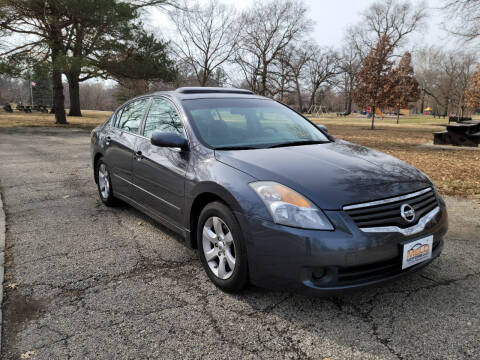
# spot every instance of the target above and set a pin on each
(241, 123)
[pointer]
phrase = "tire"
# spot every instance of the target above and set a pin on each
(104, 184)
(223, 241)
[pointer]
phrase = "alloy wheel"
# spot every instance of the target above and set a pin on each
(104, 181)
(218, 247)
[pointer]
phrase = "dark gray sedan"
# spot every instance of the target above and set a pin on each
(264, 194)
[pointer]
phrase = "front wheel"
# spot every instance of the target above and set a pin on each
(221, 247)
(104, 184)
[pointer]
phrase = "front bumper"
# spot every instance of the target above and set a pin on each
(330, 262)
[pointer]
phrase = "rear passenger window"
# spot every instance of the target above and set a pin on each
(163, 117)
(131, 115)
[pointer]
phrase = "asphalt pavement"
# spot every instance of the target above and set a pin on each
(83, 281)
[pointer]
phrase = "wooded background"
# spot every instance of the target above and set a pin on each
(63, 45)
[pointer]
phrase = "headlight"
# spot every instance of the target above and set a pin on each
(288, 207)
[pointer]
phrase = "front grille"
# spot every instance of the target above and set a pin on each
(386, 212)
(370, 272)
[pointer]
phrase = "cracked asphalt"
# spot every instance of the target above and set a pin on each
(84, 281)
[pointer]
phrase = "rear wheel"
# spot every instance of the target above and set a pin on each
(104, 184)
(221, 247)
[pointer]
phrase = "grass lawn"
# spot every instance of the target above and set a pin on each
(455, 172)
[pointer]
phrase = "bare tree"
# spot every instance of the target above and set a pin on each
(393, 18)
(427, 72)
(297, 59)
(208, 36)
(461, 18)
(349, 66)
(97, 96)
(269, 27)
(280, 80)
(322, 68)
(444, 77)
(463, 66)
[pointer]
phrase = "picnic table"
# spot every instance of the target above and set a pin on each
(466, 133)
(458, 119)
(41, 108)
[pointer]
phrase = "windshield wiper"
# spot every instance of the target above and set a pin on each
(298, 143)
(239, 147)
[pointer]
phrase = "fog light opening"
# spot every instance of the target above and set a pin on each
(317, 274)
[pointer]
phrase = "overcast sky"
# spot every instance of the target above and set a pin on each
(332, 17)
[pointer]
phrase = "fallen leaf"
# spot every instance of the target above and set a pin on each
(27, 355)
(140, 223)
(12, 286)
(66, 196)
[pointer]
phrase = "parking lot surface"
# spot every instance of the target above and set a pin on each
(84, 281)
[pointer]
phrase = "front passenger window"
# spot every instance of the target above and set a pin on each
(132, 116)
(163, 117)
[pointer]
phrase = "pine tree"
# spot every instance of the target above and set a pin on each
(472, 95)
(405, 86)
(374, 86)
(71, 35)
(42, 90)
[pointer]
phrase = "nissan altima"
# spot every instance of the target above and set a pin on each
(265, 195)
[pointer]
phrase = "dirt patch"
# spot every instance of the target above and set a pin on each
(18, 311)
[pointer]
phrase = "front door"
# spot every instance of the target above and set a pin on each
(159, 173)
(121, 142)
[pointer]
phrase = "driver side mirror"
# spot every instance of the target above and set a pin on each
(322, 128)
(167, 139)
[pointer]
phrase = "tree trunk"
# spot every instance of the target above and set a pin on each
(74, 93)
(373, 117)
(204, 78)
(73, 73)
(312, 97)
(58, 97)
(263, 90)
(299, 96)
(445, 109)
(349, 103)
(422, 104)
(398, 115)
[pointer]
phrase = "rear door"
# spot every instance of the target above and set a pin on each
(159, 173)
(121, 144)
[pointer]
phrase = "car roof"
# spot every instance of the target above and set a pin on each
(185, 93)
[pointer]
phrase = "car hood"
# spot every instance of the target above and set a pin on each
(331, 175)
